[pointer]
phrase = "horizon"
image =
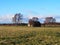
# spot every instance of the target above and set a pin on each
(29, 8)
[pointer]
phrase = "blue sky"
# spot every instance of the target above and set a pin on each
(29, 8)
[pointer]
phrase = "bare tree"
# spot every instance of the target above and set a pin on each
(30, 22)
(17, 18)
(50, 20)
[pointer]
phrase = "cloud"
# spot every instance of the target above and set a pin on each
(6, 18)
(41, 17)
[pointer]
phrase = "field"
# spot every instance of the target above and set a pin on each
(22, 35)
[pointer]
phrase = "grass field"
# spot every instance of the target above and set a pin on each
(22, 35)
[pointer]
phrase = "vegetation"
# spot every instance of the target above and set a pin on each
(17, 18)
(34, 22)
(18, 35)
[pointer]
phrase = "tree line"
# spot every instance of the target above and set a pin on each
(18, 19)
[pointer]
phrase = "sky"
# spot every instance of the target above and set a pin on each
(29, 9)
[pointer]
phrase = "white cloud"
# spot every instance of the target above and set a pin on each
(6, 18)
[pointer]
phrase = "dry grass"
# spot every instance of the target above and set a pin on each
(22, 35)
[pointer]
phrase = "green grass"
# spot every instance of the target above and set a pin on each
(22, 35)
